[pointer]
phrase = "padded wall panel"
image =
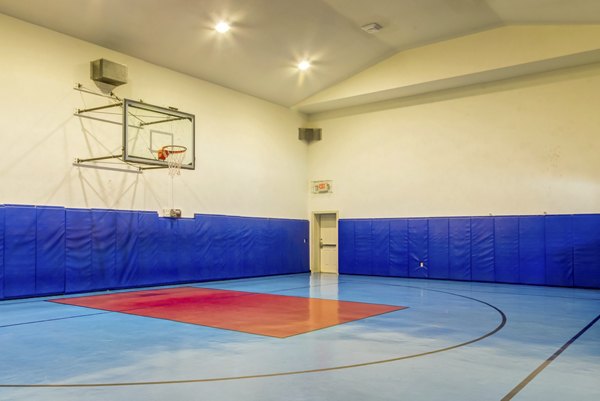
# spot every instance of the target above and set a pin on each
(559, 250)
(250, 245)
(104, 243)
(201, 246)
(399, 247)
(418, 247)
(78, 251)
(506, 249)
(274, 243)
(293, 244)
(211, 259)
(347, 246)
(586, 252)
(253, 248)
(439, 241)
(184, 250)
(297, 256)
(482, 249)
(363, 244)
(19, 251)
(126, 255)
(532, 250)
(277, 240)
(168, 264)
(50, 251)
(459, 232)
(256, 249)
(380, 235)
(302, 228)
(1, 251)
(148, 248)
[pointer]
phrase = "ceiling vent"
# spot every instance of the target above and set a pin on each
(373, 27)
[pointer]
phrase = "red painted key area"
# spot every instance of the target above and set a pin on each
(264, 314)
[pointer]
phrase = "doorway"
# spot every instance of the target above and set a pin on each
(325, 242)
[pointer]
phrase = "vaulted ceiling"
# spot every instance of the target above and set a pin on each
(258, 56)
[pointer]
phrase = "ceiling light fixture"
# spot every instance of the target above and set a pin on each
(304, 65)
(222, 27)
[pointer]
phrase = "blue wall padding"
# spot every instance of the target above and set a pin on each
(438, 251)
(148, 249)
(78, 251)
(506, 249)
(398, 247)
(295, 244)
(271, 246)
(418, 252)
(586, 252)
(532, 250)
(185, 250)
(346, 246)
(249, 245)
(1, 251)
(459, 231)
(19, 250)
(558, 250)
(238, 251)
(482, 249)
(126, 255)
(380, 230)
(104, 242)
(55, 250)
(201, 244)
(363, 246)
(50, 251)
(167, 253)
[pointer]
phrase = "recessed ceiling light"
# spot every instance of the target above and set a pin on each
(304, 65)
(222, 27)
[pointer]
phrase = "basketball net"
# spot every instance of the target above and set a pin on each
(173, 155)
(174, 161)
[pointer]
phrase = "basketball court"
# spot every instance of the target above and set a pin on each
(341, 337)
(337, 200)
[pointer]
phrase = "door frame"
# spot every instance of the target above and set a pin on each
(315, 231)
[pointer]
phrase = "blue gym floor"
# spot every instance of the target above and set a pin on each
(456, 341)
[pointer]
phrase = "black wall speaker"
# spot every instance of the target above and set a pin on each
(309, 134)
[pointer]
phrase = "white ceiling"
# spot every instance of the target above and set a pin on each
(269, 37)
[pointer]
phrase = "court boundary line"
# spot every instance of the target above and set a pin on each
(547, 362)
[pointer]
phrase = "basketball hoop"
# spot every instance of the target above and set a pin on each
(173, 155)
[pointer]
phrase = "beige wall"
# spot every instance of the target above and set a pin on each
(499, 122)
(522, 146)
(249, 160)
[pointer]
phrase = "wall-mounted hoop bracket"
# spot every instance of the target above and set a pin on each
(145, 128)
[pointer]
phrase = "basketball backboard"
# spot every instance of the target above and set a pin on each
(147, 129)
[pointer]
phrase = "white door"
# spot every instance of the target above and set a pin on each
(328, 243)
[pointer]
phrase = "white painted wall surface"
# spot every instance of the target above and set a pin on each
(248, 162)
(523, 146)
